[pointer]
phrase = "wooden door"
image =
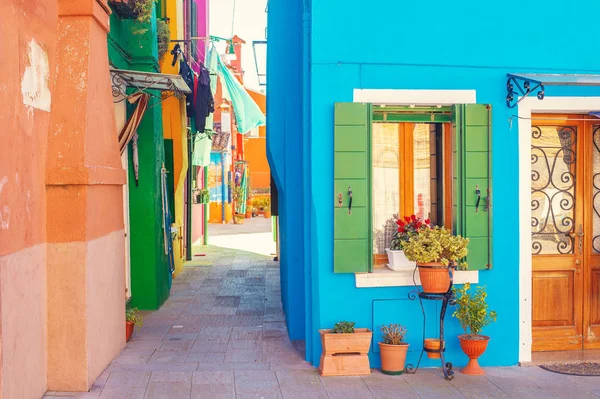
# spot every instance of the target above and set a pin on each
(591, 270)
(557, 224)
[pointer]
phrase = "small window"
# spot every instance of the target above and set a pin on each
(410, 162)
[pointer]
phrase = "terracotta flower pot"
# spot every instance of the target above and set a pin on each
(432, 343)
(435, 277)
(267, 214)
(473, 346)
(248, 215)
(393, 358)
(128, 330)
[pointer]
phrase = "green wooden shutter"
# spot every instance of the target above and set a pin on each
(471, 171)
(352, 168)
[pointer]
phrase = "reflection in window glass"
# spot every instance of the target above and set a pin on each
(386, 190)
(422, 171)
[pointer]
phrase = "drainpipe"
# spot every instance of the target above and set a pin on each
(206, 207)
(307, 168)
(188, 227)
(223, 187)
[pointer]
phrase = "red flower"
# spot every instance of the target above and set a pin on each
(413, 217)
(400, 230)
(427, 221)
(407, 218)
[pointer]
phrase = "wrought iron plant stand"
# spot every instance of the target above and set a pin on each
(447, 298)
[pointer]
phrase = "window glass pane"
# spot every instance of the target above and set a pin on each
(386, 190)
(422, 169)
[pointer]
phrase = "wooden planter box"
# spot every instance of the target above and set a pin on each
(124, 8)
(345, 354)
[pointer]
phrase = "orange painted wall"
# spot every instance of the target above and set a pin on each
(30, 29)
(60, 199)
(255, 150)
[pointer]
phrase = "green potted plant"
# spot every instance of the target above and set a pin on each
(267, 209)
(133, 9)
(393, 349)
(405, 229)
(345, 350)
(436, 252)
(132, 318)
(163, 33)
(473, 315)
(249, 209)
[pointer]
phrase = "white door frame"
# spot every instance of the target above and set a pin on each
(527, 107)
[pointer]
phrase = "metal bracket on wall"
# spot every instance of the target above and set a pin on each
(523, 87)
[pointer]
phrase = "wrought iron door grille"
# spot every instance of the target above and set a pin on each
(553, 178)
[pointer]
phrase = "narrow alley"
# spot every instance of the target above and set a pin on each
(221, 334)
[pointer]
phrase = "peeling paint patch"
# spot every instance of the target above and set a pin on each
(4, 224)
(3, 182)
(34, 84)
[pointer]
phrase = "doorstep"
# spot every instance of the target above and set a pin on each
(565, 357)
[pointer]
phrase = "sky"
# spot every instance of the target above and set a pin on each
(249, 23)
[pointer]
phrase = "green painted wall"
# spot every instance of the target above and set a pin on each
(149, 266)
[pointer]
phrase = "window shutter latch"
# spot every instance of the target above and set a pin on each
(349, 200)
(478, 194)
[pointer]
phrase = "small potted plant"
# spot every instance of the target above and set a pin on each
(267, 209)
(436, 252)
(406, 228)
(345, 350)
(254, 211)
(473, 315)
(132, 318)
(249, 209)
(393, 349)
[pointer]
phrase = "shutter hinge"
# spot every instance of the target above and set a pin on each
(488, 266)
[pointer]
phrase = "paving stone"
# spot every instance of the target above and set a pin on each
(515, 384)
(389, 387)
(233, 366)
(169, 390)
(300, 384)
(123, 393)
(244, 345)
(176, 346)
(346, 388)
(243, 356)
(169, 357)
(430, 384)
(171, 376)
(213, 385)
(206, 357)
(558, 385)
(128, 379)
(255, 382)
(209, 345)
(246, 333)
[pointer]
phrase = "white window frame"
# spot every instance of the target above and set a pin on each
(389, 278)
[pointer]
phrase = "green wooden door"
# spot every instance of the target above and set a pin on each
(472, 181)
(352, 172)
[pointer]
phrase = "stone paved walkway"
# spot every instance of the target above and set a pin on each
(222, 335)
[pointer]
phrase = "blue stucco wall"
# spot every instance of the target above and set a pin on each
(402, 45)
(284, 146)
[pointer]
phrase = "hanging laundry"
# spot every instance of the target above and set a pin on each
(204, 103)
(188, 76)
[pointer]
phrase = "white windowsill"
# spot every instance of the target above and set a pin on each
(389, 278)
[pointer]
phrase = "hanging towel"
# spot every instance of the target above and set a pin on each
(202, 149)
(247, 114)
